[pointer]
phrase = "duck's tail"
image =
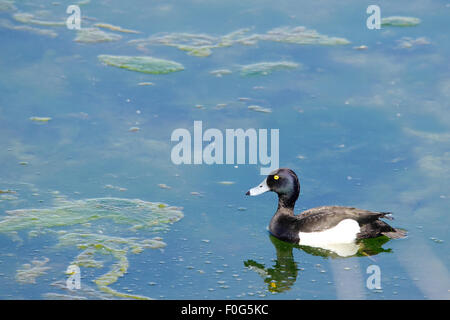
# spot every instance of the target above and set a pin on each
(393, 233)
(376, 228)
(396, 233)
(387, 215)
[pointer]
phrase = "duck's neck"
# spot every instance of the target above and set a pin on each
(278, 224)
(286, 203)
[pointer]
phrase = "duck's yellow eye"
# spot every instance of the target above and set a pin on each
(276, 177)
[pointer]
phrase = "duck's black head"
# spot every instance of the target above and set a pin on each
(284, 182)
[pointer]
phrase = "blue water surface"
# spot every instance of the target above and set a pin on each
(361, 126)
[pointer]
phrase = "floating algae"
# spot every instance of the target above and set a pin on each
(45, 32)
(40, 119)
(95, 35)
(407, 42)
(398, 21)
(110, 186)
(194, 44)
(6, 5)
(266, 68)
(134, 129)
(141, 64)
(259, 109)
(29, 272)
(7, 197)
(301, 35)
(361, 47)
(226, 183)
(115, 28)
(84, 293)
(83, 214)
(220, 72)
(201, 45)
(117, 247)
(7, 191)
(29, 18)
(68, 213)
(202, 51)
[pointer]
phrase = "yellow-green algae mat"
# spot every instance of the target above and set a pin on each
(85, 215)
(143, 64)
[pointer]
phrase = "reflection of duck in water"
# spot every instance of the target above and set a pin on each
(283, 274)
(332, 228)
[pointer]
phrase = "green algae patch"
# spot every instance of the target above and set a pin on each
(408, 43)
(29, 18)
(398, 21)
(6, 5)
(142, 64)
(259, 109)
(221, 72)
(202, 45)
(266, 68)
(117, 247)
(226, 183)
(301, 35)
(28, 272)
(68, 213)
(7, 197)
(40, 119)
(95, 227)
(7, 191)
(146, 83)
(203, 51)
(44, 32)
(115, 28)
(95, 35)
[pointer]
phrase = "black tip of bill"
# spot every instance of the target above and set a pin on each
(247, 193)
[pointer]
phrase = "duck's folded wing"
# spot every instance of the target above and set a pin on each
(322, 218)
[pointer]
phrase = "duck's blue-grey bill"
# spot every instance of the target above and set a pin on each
(261, 188)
